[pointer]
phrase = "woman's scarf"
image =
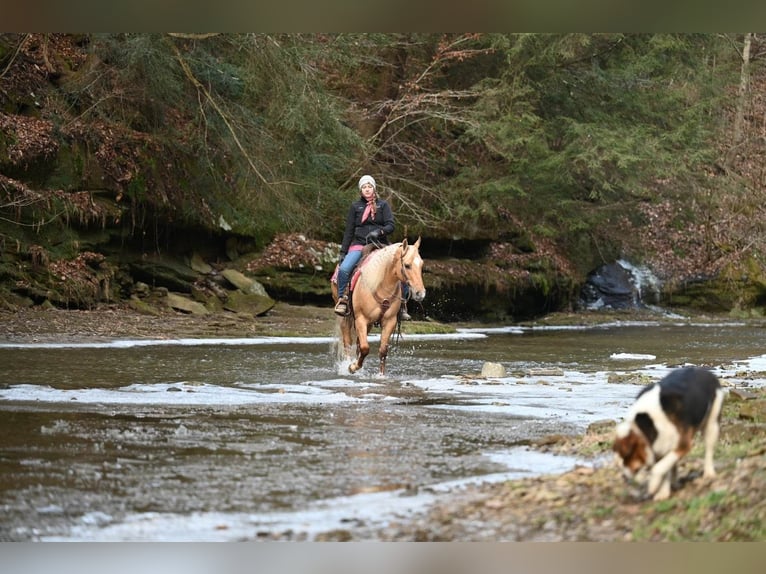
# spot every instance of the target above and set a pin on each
(369, 210)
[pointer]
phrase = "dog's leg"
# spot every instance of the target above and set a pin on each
(712, 428)
(659, 475)
(663, 492)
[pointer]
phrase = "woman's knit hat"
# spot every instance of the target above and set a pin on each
(366, 179)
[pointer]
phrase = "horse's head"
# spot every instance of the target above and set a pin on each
(412, 269)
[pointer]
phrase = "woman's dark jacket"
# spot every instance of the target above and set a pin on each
(356, 231)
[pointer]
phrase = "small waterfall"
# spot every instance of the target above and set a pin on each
(646, 283)
(620, 285)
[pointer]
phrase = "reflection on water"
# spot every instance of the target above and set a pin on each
(134, 441)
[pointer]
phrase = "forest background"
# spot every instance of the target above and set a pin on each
(132, 163)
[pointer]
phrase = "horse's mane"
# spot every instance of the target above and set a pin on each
(379, 261)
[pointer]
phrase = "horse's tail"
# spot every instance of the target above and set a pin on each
(334, 283)
(347, 324)
(349, 321)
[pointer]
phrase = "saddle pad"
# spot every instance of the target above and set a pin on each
(354, 276)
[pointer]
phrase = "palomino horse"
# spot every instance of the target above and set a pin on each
(376, 297)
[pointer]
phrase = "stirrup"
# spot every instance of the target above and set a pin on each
(403, 315)
(341, 308)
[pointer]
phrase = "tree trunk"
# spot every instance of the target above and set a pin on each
(744, 81)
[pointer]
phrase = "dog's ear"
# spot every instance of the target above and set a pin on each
(630, 450)
(622, 440)
(625, 445)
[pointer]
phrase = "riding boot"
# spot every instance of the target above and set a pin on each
(341, 308)
(403, 315)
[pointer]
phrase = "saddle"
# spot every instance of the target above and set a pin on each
(369, 248)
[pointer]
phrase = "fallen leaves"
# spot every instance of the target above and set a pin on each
(29, 138)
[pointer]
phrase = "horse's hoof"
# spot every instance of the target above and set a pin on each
(352, 369)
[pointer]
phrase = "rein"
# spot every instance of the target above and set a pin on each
(404, 270)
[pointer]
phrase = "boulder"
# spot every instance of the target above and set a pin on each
(164, 272)
(243, 283)
(250, 303)
(199, 265)
(493, 370)
(610, 286)
(181, 303)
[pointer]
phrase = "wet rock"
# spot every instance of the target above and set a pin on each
(546, 372)
(494, 370)
(610, 286)
(207, 297)
(629, 379)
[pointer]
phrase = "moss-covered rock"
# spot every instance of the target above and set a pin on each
(739, 288)
(239, 302)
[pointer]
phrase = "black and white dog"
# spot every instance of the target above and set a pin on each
(660, 425)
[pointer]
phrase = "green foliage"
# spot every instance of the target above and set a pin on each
(600, 117)
(246, 120)
(469, 135)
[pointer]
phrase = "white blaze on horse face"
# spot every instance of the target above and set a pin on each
(417, 288)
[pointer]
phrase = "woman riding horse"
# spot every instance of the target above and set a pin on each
(377, 297)
(369, 219)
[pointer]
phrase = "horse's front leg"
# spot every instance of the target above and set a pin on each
(362, 346)
(385, 336)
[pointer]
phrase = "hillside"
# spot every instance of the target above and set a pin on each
(132, 163)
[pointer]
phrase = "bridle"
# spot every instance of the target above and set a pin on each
(404, 268)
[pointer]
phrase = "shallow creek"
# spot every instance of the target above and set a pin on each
(232, 439)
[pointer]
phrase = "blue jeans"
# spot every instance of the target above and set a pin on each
(345, 269)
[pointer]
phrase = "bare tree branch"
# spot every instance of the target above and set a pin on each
(15, 54)
(197, 84)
